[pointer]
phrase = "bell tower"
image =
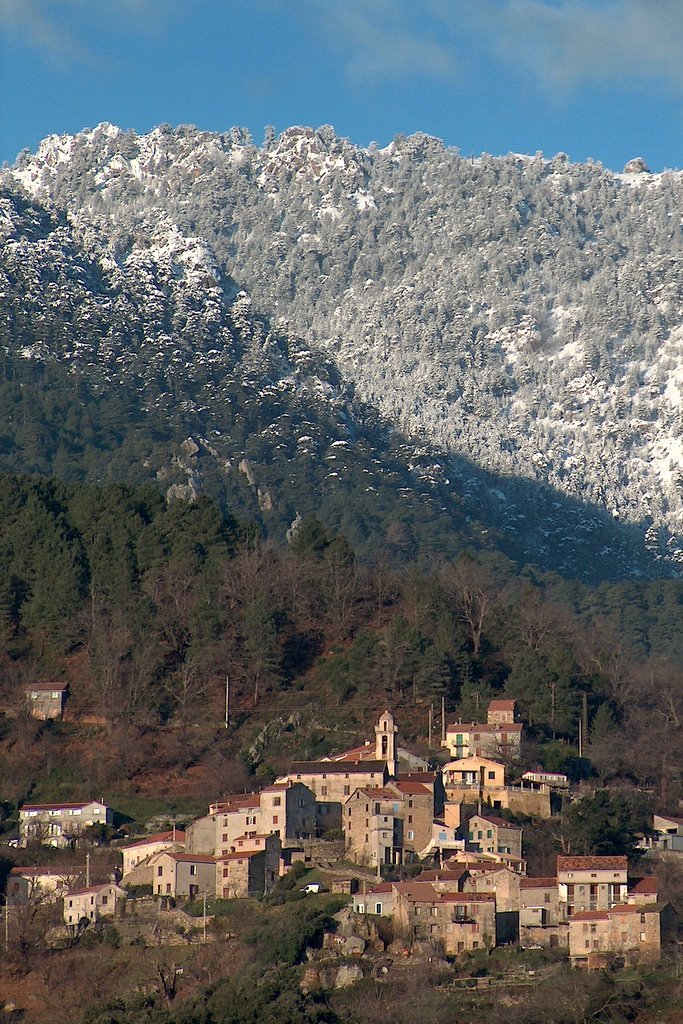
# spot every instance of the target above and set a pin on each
(385, 741)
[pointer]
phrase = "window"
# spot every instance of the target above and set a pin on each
(104, 901)
(410, 818)
(434, 911)
(411, 835)
(489, 833)
(193, 869)
(277, 800)
(225, 837)
(546, 897)
(642, 936)
(642, 918)
(276, 819)
(226, 872)
(378, 908)
(349, 812)
(160, 872)
(347, 790)
(594, 929)
(323, 790)
(410, 803)
(324, 775)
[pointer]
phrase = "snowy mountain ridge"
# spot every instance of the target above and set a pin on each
(522, 313)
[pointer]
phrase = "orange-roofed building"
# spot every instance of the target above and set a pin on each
(502, 712)
(591, 883)
(139, 852)
(630, 934)
(184, 874)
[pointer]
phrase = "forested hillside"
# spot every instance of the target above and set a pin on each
(144, 608)
(517, 319)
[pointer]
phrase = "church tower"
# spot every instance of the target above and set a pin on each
(385, 742)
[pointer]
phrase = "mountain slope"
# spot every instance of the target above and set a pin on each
(521, 317)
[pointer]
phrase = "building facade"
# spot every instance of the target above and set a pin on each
(60, 824)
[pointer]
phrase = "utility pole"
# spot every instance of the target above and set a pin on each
(227, 701)
(443, 720)
(6, 924)
(431, 715)
(584, 716)
(204, 922)
(87, 870)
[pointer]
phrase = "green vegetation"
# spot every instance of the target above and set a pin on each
(145, 607)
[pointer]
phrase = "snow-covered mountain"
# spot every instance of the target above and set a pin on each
(518, 320)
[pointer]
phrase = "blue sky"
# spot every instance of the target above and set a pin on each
(593, 78)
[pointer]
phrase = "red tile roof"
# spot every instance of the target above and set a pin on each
(502, 705)
(46, 687)
(76, 870)
(191, 858)
(414, 788)
(590, 915)
(500, 822)
(633, 908)
(467, 897)
(158, 837)
(452, 875)
(591, 864)
(463, 727)
(58, 807)
(646, 886)
(91, 888)
(336, 767)
(241, 855)
(378, 889)
(538, 883)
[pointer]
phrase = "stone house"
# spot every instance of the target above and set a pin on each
(632, 934)
(643, 890)
(135, 854)
(457, 921)
(541, 923)
(288, 810)
(490, 834)
(184, 874)
(388, 825)
(380, 899)
(249, 868)
(45, 700)
(502, 712)
(497, 880)
(477, 779)
(588, 884)
(93, 904)
(332, 783)
(60, 824)
(490, 739)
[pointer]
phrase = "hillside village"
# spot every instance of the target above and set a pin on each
(435, 851)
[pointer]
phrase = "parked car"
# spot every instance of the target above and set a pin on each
(314, 887)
